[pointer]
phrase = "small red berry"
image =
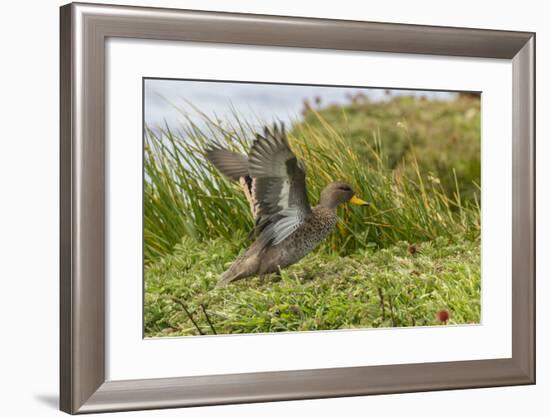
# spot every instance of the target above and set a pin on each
(443, 316)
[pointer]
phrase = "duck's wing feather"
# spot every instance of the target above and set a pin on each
(235, 167)
(231, 164)
(279, 187)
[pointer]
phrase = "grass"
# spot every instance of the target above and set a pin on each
(367, 273)
(185, 196)
(446, 132)
(372, 288)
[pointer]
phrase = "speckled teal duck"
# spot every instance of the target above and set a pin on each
(286, 228)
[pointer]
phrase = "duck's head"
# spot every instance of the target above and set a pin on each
(337, 193)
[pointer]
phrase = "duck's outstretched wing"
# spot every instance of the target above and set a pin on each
(279, 186)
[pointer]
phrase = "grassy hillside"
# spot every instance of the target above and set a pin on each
(413, 252)
(445, 134)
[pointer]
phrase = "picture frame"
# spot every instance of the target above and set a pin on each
(84, 29)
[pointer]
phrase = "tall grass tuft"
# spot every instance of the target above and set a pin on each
(184, 195)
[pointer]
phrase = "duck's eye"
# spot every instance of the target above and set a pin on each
(344, 188)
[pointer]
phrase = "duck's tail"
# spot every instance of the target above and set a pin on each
(244, 266)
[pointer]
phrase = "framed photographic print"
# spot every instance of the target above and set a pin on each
(261, 208)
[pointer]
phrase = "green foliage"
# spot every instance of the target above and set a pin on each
(398, 286)
(413, 252)
(185, 196)
(445, 135)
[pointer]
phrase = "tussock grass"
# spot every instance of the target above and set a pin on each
(445, 134)
(186, 196)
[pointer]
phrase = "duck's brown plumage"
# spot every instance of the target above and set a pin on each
(286, 227)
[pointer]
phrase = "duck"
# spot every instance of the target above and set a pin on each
(286, 227)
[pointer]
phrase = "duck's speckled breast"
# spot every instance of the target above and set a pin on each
(315, 230)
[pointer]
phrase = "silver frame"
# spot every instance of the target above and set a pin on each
(84, 30)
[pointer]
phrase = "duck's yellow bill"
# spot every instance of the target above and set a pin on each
(356, 200)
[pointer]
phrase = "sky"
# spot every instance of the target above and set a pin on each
(167, 101)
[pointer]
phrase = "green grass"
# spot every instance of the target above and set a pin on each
(371, 288)
(416, 162)
(185, 196)
(446, 132)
